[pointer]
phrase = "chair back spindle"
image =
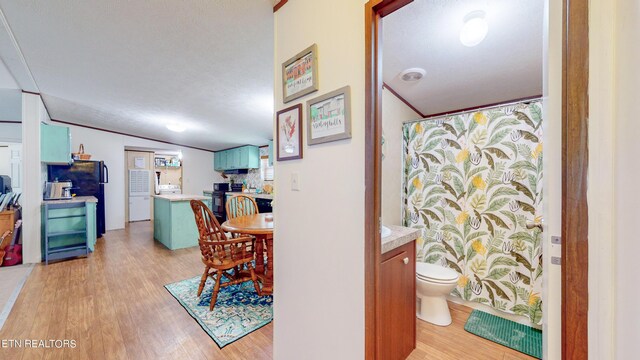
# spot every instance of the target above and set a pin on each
(240, 205)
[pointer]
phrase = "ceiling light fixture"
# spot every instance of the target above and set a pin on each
(413, 74)
(475, 28)
(175, 127)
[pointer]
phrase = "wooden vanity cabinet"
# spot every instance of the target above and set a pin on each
(397, 322)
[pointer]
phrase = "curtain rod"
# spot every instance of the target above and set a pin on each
(474, 110)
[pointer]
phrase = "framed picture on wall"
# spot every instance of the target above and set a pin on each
(329, 117)
(300, 74)
(289, 136)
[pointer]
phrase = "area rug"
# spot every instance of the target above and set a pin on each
(238, 311)
(505, 332)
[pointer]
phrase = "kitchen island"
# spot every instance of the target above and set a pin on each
(173, 222)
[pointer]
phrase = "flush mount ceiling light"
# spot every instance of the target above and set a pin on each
(176, 127)
(413, 74)
(475, 28)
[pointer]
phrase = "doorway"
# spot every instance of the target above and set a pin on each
(573, 168)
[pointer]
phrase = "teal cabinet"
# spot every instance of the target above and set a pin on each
(55, 144)
(68, 229)
(270, 152)
(244, 157)
(174, 225)
(233, 159)
(217, 163)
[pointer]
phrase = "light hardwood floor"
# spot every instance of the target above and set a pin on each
(115, 306)
(453, 342)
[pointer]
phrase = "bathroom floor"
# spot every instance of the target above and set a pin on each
(453, 342)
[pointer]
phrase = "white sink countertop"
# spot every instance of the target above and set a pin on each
(75, 199)
(181, 197)
(400, 235)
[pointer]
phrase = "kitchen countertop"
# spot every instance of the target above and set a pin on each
(75, 199)
(255, 195)
(181, 197)
(400, 235)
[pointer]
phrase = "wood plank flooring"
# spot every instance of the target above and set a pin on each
(453, 342)
(115, 306)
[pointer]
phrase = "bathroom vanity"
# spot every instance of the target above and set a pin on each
(398, 293)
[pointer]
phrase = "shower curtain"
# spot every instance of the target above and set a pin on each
(472, 182)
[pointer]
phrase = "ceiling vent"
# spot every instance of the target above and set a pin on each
(413, 74)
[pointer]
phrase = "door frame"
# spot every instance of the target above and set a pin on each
(575, 157)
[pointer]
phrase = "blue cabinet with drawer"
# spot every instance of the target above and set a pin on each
(244, 157)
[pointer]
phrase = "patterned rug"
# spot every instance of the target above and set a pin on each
(505, 332)
(238, 311)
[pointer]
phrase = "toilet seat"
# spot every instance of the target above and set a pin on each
(435, 273)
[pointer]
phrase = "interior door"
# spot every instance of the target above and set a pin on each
(15, 151)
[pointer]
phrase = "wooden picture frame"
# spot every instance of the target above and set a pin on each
(300, 74)
(329, 117)
(289, 126)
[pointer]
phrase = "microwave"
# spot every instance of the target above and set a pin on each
(220, 186)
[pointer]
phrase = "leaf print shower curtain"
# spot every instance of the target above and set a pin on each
(472, 181)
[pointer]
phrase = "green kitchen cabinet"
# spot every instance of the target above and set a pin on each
(270, 152)
(55, 144)
(249, 157)
(68, 228)
(233, 159)
(223, 160)
(244, 157)
(174, 225)
(217, 163)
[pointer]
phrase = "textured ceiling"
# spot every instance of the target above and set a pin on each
(507, 65)
(134, 66)
(6, 79)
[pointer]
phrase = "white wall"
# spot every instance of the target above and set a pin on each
(10, 104)
(394, 114)
(319, 230)
(627, 173)
(33, 113)
(198, 166)
(11, 132)
(5, 160)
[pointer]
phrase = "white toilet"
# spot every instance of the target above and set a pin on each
(433, 284)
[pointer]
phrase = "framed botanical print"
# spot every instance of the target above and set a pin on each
(289, 135)
(329, 117)
(300, 74)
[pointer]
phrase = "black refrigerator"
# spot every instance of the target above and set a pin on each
(88, 178)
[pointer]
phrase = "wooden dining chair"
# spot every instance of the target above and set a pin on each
(220, 254)
(240, 205)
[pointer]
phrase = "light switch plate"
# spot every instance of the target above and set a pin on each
(556, 260)
(295, 181)
(556, 240)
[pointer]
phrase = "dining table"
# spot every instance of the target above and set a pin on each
(261, 227)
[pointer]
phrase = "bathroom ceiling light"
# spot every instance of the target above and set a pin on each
(413, 74)
(176, 127)
(475, 28)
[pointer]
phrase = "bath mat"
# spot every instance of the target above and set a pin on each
(239, 310)
(505, 332)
